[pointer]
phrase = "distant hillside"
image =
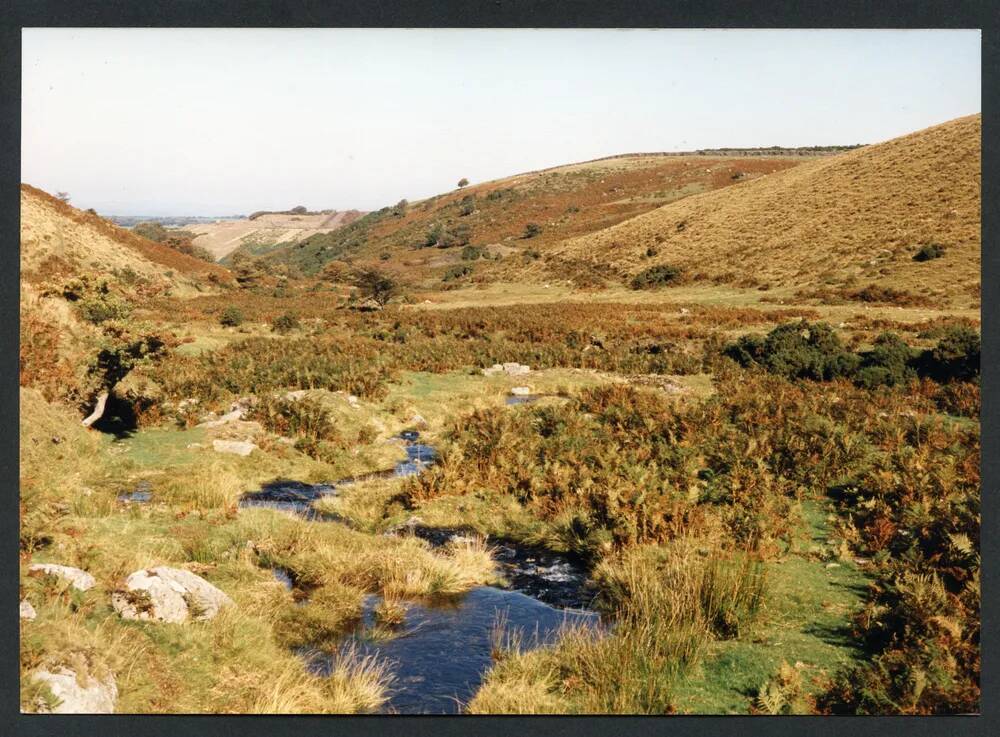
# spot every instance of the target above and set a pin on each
(426, 238)
(262, 231)
(852, 219)
(58, 240)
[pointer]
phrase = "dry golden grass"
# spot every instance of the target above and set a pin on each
(58, 239)
(855, 218)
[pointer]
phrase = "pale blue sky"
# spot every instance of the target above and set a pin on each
(211, 122)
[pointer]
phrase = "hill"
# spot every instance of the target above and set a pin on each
(835, 223)
(59, 241)
(425, 238)
(257, 235)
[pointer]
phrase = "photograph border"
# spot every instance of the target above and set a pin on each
(846, 14)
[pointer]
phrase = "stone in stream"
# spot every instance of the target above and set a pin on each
(27, 611)
(79, 580)
(239, 447)
(75, 694)
(166, 594)
(521, 391)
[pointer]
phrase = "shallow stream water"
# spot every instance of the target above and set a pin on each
(441, 652)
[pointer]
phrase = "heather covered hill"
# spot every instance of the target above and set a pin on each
(525, 213)
(836, 223)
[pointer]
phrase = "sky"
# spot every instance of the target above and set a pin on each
(228, 121)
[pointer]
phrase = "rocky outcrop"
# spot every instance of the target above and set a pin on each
(80, 580)
(239, 447)
(165, 594)
(75, 694)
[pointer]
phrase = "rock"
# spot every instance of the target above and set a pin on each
(92, 697)
(511, 369)
(352, 400)
(165, 594)
(27, 611)
(521, 391)
(418, 422)
(296, 395)
(231, 416)
(239, 447)
(79, 580)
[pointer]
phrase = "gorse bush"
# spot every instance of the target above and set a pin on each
(814, 351)
(928, 252)
(531, 230)
(231, 317)
(456, 272)
(656, 276)
(285, 323)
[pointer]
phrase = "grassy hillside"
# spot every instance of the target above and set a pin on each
(845, 221)
(424, 239)
(60, 240)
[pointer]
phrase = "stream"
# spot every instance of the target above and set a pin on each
(441, 652)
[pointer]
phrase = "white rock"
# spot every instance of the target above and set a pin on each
(239, 447)
(418, 422)
(231, 416)
(165, 594)
(521, 391)
(94, 697)
(296, 395)
(26, 610)
(80, 580)
(352, 400)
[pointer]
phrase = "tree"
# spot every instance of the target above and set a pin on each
(375, 284)
(64, 196)
(463, 182)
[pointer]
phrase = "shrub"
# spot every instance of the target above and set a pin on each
(656, 276)
(231, 317)
(471, 253)
(285, 323)
(797, 350)
(434, 235)
(463, 182)
(468, 205)
(102, 307)
(375, 284)
(889, 363)
(929, 252)
(955, 357)
(531, 230)
(457, 272)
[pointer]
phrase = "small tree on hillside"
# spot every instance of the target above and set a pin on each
(375, 284)
(463, 182)
(64, 196)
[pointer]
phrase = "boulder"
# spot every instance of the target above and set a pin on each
(521, 391)
(231, 416)
(26, 610)
(89, 697)
(165, 594)
(418, 422)
(239, 447)
(80, 580)
(511, 369)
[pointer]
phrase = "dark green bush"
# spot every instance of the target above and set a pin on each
(231, 317)
(471, 253)
(797, 350)
(655, 276)
(928, 252)
(955, 357)
(531, 230)
(457, 272)
(285, 323)
(889, 363)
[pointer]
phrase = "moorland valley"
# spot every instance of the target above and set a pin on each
(649, 434)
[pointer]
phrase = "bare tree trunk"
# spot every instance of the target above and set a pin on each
(102, 400)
